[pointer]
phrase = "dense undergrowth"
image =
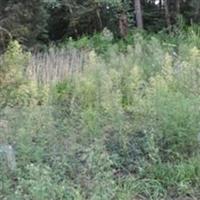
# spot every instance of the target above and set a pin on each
(125, 127)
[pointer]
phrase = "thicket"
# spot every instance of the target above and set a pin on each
(37, 23)
(125, 126)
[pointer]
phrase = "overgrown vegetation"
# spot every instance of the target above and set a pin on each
(126, 126)
(37, 23)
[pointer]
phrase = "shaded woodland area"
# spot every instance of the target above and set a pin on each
(38, 22)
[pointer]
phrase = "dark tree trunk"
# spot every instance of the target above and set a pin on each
(123, 25)
(178, 7)
(160, 4)
(167, 14)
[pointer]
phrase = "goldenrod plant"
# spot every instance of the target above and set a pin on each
(124, 125)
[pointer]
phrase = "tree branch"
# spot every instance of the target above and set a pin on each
(6, 31)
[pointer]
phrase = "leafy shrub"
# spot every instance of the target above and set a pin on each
(125, 127)
(16, 90)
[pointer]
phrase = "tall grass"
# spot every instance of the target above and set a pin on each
(126, 126)
(55, 65)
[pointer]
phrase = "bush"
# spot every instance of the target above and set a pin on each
(126, 127)
(16, 89)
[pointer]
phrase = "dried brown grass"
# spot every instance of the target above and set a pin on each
(55, 65)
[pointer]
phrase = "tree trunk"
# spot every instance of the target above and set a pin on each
(197, 12)
(167, 14)
(99, 19)
(123, 25)
(160, 4)
(178, 7)
(138, 12)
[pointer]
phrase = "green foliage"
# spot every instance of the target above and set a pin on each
(20, 20)
(126, 127)
(58, 19)
(16, 90)
(99, 42)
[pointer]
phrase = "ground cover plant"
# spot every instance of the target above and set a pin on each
(124, 125)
